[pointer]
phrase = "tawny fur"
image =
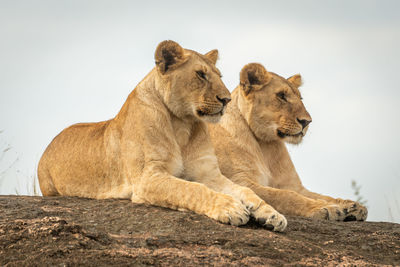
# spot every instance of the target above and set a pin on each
(250, 146)
(157, 149)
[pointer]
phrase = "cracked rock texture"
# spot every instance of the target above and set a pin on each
(68, 231)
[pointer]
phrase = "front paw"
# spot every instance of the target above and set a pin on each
(270, 218)
(354, 211)
(226, 209)
(330, 212)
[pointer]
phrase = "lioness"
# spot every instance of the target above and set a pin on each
(265, 112)
(157, 149)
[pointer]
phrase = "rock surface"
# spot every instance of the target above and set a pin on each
(66, 231)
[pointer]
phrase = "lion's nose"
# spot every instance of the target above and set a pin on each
(224, 100)
(303, 123)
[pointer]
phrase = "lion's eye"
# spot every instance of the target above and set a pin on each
(282, 96)
(201, 74)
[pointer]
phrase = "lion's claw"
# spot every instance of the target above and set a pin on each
(270, 218)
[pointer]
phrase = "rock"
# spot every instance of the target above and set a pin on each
(66, 231)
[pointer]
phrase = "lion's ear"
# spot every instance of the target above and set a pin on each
(295, 80)
(168, 56)
(213, 56)
(253, 77)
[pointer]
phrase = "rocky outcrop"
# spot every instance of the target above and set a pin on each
(66, 231)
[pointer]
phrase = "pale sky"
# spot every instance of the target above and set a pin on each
(63, 62)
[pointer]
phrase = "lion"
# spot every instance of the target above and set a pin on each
(157, 149)
(266, 112)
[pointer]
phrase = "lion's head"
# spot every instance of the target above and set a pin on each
(192, 85)
(272, 105)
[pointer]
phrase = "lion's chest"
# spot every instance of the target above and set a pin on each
(264, 177)
(182, 133)
(175, 165)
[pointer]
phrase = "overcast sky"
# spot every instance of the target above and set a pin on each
(63, 62)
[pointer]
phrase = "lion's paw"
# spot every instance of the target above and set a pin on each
(353, 211)
(270, 218)
(226, 209)
(328, 212)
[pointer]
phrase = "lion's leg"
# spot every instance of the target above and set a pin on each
(352, 210)
(261, 211)
(165, 190)
(284, 176)
(292, 203)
